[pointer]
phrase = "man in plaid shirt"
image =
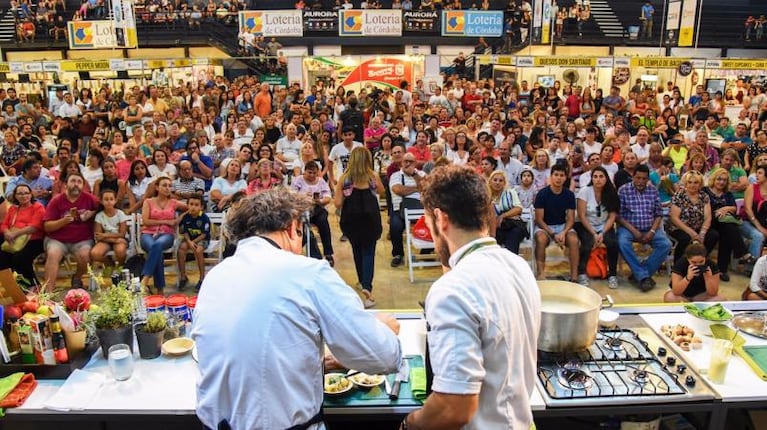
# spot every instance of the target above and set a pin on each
(641, 221)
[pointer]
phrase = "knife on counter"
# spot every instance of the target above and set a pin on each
(403, 375)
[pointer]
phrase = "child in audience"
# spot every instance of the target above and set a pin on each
(525, 189)
(195, 230)
(110, 230)
(757, 288)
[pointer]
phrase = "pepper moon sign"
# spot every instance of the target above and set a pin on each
(386, 71)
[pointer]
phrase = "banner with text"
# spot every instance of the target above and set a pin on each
(273, 23)
(91, 34)
(687, 26)
(321, 21)
(565, 61)
(124, 24)
(379, 22)
(548, 14)
(386, 71)
(421, 21)
(472, 23)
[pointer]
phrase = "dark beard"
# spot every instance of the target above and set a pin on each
(441, 246)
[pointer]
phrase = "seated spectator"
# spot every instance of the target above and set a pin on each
(757, 287)
(725, 221)
(194, 228)
(138, 186)
(541, 165)
(404, 187)
(23, 217)
(186, 185)
(110, 181)
(312, 184)
(264, 180)
(641, 221)
(694, 278)
(665, 179)
(160, 166)
(71, 167)
(31, 176)
(738, 179)
(754, 225)
(597, 209)
(110, 231)
(690, 216)
(12, 154)
(158, 233)
(27, 30)
(92, 170)
(202, 165)
(226, 185)
(59, 29)
(555, 219)
(525, 190)
(68, 226)
(676, 151)
(510, 229)
(488, 165)
(625, 175)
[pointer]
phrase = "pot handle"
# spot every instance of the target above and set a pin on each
(607, 301)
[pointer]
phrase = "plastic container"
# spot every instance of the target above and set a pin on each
(155, 303)
(191, 303)
(177, 305)
(633, 32)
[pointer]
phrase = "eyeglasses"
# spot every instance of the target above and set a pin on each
(23, 193)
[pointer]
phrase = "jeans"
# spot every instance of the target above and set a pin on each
(755, 236)
(364, 262)
(660, 246)
(154, 247)
(396, 228)
(610, 241)
(510, 238)
(22, 261)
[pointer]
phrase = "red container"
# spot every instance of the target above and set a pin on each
(155, 303)
(176, 304)
(191, 303)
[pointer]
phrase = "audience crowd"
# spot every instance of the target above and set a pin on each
(594, 169)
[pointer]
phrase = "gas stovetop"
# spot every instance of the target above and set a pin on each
(619, 368)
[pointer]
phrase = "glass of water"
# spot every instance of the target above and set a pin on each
(120, 361)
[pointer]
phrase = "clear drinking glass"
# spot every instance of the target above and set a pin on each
(721, 351)
(120, 361)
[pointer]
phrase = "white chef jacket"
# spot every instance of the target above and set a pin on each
(259, 324)
(484, 316)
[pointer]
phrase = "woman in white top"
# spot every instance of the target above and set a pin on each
(160, 166)
(458, 154)
(92, 171)
(139, 186)
(226, 185)
(597, 209)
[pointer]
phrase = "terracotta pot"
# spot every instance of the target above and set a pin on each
(75, 342)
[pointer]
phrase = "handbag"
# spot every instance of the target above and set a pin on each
(421, 230)
(596, 267)
(18, 243)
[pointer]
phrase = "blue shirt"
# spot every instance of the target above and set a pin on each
(555, 206)
(204, 159)
(639, 208)
(195, 226)
(41, 183)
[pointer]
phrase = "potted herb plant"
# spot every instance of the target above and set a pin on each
(113, 316)
(150, 335)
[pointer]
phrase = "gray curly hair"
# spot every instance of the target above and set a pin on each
(266, 212)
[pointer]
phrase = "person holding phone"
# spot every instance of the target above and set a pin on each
(312, 184)
(694, 278)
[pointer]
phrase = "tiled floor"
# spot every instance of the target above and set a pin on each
(393, 290)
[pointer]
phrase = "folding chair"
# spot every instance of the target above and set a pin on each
(412, 243)
(215, 250)
(169, 255)
(528, 217)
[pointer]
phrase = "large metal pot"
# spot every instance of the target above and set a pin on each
(569, 316)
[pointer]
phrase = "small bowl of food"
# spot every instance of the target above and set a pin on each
(337, 384)
(363, 380)
(178, 346)
(700, 316)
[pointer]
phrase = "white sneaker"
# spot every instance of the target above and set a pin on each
(583, 280)
(612, 282)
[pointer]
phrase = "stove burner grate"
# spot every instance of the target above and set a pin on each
(574, 379)
(639, 377)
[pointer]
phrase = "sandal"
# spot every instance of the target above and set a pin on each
(747, 259)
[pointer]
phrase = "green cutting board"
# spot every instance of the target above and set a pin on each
(759, 354)
(377, 396)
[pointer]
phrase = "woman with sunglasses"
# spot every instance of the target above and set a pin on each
(597, 206)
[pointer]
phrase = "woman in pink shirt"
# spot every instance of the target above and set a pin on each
(158, 231)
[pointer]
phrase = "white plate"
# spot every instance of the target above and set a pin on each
(342, 376)
(376, 380)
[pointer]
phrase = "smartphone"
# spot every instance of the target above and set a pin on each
(316, 196)
(73, 212)
(702, 269)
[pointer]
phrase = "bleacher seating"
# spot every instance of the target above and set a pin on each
(723, 23)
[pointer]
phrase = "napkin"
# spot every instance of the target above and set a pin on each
(77, 392)
(418, 383)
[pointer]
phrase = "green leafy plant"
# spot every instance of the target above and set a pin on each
(115, 307)
(155, 323)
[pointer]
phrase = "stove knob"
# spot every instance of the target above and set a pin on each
(681, 368)
(689, 381)
(661, 352)
(671, 360)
